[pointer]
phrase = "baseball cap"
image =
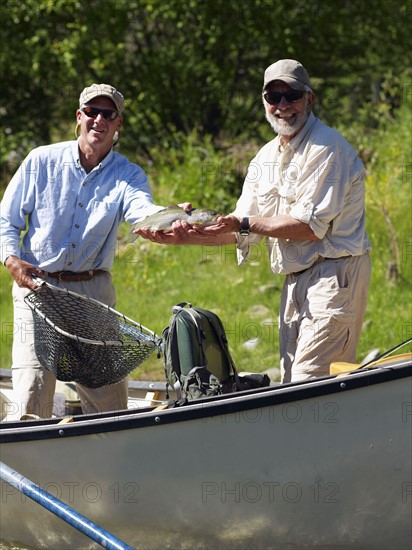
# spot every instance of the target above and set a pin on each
(96, 90)
(289, 71)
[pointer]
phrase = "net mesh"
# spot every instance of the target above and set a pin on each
(82, 340)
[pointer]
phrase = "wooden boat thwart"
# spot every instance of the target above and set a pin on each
(318, 464)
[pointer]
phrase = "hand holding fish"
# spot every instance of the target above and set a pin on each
(178, 234)
(223, 224)
(170, 225)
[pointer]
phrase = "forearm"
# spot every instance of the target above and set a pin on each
(9, 238)
(193, 237)
(282, 227)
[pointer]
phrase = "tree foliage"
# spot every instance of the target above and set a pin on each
(190, 65)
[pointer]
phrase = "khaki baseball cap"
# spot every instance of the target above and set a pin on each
(96, 90)
(289, 71)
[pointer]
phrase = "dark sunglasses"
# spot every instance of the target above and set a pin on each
(94, 112)
(274, 98)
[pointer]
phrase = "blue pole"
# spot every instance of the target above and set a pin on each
(62, 510)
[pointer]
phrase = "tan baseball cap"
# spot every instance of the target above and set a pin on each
(96, 90)
(289, 71)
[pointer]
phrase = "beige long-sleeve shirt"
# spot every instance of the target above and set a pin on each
(316, 178)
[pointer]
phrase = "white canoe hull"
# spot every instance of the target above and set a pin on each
(325, 464)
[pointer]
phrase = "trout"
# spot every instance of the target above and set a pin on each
(163, 220)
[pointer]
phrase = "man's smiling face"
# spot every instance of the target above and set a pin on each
(287, 118)
(98, 132)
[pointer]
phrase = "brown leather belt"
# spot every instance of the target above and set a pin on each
(70, 276)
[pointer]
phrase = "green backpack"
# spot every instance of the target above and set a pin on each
(196, 355)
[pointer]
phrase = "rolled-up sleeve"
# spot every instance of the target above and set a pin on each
(325, 186)
(304, 213)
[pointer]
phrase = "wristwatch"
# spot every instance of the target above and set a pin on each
(244, 226)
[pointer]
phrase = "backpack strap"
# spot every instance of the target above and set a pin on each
(180, 306)
(169, 330)
(224, 347)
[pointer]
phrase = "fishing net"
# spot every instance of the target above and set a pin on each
(82, 340)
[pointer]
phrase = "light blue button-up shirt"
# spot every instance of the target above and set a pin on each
(72, 217)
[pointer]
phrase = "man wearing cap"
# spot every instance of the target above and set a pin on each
(304, 192)
(74, 195)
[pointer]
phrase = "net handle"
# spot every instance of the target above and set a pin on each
(39, 282)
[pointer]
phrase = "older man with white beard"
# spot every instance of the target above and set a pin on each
(304, 192)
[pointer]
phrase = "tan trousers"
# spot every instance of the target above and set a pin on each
(34, 385)
(321, 316)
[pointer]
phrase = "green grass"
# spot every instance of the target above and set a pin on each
(6, 318)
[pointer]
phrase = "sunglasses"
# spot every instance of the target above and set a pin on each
(94, 112)
(274, 98)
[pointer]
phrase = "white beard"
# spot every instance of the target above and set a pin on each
(288, 126)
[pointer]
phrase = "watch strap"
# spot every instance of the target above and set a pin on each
(244, 226)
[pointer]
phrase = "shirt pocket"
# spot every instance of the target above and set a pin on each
(101, 217)
(287, 198)
(267, 198)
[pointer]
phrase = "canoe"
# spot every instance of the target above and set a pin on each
(323, 464)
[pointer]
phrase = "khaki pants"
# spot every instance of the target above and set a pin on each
(321, 316)
(34, 385)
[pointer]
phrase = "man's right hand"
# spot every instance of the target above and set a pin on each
(23, 272)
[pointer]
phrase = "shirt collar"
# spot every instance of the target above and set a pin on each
(75, 153)
(297, 140)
